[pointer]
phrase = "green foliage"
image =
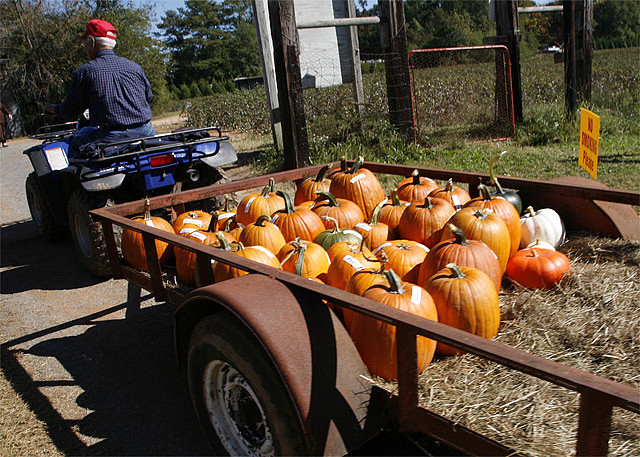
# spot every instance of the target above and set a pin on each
(42, 49)
(211, 39)
(545, 145)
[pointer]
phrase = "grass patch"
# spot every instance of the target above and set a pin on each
(545, 145)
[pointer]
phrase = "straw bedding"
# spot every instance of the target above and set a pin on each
(590, 322)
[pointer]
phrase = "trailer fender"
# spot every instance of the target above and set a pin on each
(309, 348)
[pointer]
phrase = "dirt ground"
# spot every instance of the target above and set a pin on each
(87, 367)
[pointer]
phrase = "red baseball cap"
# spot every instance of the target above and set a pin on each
(98, 27)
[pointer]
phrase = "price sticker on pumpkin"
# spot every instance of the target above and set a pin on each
(355, 263)
(589, 138)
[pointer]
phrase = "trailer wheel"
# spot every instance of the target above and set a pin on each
(87, 234)
(241, 403)
(40, 212)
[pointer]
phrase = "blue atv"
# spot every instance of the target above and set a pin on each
(63, 189)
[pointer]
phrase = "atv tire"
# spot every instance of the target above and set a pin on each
(40, 212)
(87, 234)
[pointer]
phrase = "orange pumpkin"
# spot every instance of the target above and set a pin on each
(391, 213)
(222, 271)
(405, 258)
(374, 233)
(455, 195)
(360, 186)
(346, 259)
(504, 209)
(297, 222)
(467, 300)
(306, 190)
(186, 259)
(132, 244)
(537, 268)
(347, 213)
(376, 340)
(358, 284)
(256, 204)
(415, 187)
(483, 224)
(422, 221)
(196, 219)
(462, 252)
(263, 233)
(304, 258)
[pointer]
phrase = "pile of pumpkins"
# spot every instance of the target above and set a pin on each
(427, 249)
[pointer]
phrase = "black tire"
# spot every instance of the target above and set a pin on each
(87, 234)
(209, 176)
(40, 212)
(245, 394)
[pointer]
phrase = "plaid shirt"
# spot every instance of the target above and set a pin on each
(114, 89)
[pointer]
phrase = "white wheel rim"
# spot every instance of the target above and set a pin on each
(235, 411)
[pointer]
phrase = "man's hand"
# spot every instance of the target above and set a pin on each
(50, 109)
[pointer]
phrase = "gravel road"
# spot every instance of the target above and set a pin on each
(84, 370)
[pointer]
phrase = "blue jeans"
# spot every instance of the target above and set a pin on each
(88, 135)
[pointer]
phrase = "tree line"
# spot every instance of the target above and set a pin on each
(198, 50)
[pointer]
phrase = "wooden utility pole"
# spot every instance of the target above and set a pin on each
(508, 32)
(569, 32)
(396, 59)
(286, 55)
(584, 47)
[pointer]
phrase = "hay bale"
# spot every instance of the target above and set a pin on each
(589, 322)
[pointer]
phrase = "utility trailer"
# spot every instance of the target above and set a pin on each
(272, 370)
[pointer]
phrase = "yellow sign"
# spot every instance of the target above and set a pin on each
(589, 137)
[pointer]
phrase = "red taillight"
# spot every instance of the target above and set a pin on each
(165, 159)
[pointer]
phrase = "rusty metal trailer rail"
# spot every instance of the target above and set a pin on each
(597, 395)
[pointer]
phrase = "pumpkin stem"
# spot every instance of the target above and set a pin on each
(494, 180)
(381, 258)
(335, 222)
(484, 191)
(457, 272)
(322, 173)
(266, 189)
(376, 212)
(530, 211)
(213, 225)
(461, 238)
(261, 220)
(301, 248)
(147, 209)
(427, 203)
(356, 165)
(534, 253)
(394, 281)
(395, 199)
(416, 177)
(482, 214)
(223, 242)
(449, 186)
(343, 164)
(288, 203)
(324, 195)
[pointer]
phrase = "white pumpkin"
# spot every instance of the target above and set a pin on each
(539, 244)
(542, 225)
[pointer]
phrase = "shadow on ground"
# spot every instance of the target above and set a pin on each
(31, 263)
(137, 400)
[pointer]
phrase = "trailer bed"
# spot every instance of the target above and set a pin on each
(583, 205)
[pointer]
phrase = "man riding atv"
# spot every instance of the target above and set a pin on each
(115, 90)
(118, 157)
